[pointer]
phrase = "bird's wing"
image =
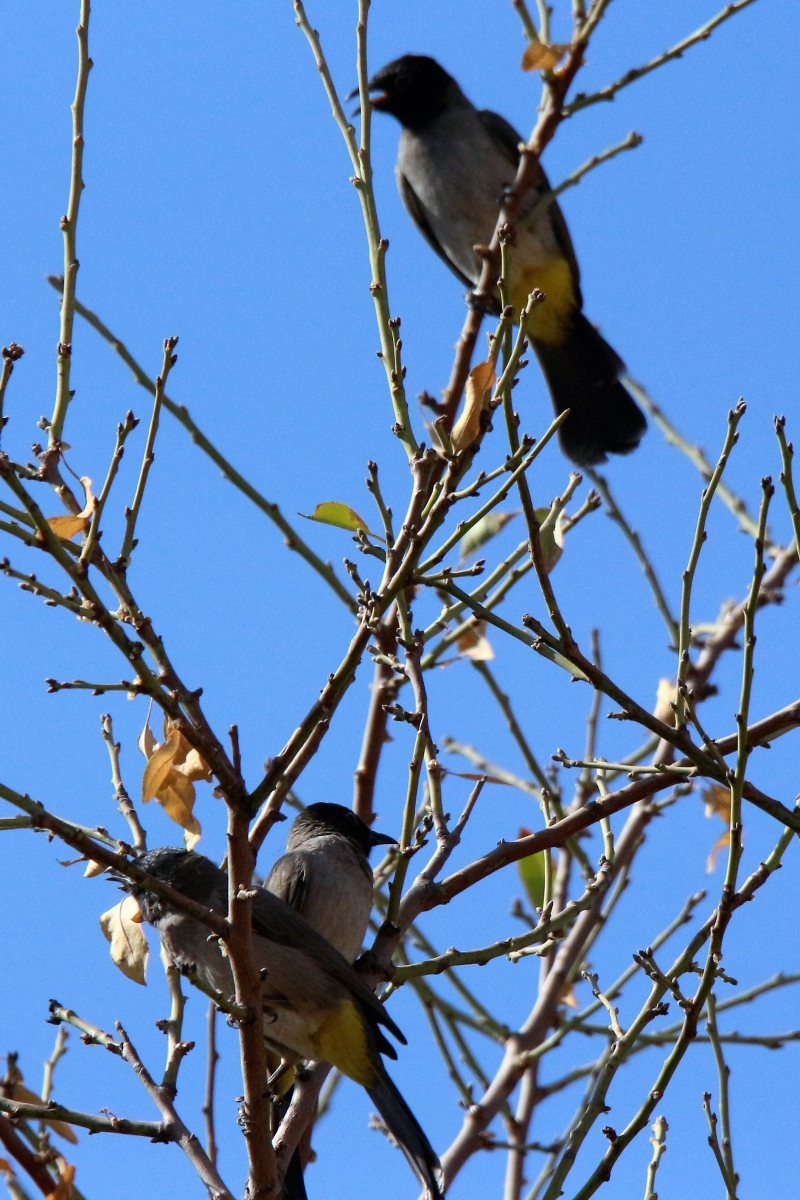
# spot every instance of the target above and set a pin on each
(420, 219)
(277, 922)
(507, 140)
(288, 880)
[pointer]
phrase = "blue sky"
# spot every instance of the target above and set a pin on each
(218, 207)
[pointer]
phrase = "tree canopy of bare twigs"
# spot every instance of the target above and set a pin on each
(542, 681)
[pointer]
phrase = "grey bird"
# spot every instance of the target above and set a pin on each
(316, 1005)
(455, 163)
(325, 874)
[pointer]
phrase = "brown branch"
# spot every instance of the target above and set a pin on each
(26, 1158)
(255, 1112)
(188, 1142)
(384, 693)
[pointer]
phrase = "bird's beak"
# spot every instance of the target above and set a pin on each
(382, 839)
(377, 101)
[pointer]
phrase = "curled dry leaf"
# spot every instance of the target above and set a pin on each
(93, 869)
(539, 56)
(64, 1189)
(666, 696)
(466, 429)
(68, 525)
(717, 800)
(24, 1095)
(122, 926)
(173, 768)
(474, 643)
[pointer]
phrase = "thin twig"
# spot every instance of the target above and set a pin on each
(69, 227)
(121, 796)
(132, 513)
(609, 92)
(685, 633)
(644, 562)
(659, 1143)
(179, 411)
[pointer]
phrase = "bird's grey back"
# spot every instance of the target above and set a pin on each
(458, 173)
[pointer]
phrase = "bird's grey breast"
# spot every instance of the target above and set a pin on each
(337, 892)
(458, 175)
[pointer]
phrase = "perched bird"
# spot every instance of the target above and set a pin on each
(325, 874)
(454, 165)
(316, 1006)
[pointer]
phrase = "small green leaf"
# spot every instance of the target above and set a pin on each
(487, 528)
(531, 872)
(340, 515)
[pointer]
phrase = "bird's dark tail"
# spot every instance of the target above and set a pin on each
(406, 1131)
(583, 376)
(294, 1185)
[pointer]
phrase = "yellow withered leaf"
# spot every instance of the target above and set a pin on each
(332, 512)
(64, 1189)
(122, 926)
(172, 769)
(717, 800)
(24, 1095)
(474, 643)
(466, 429)
(539, 56)
(68, 525)
(93, 869)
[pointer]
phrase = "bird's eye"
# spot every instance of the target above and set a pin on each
(401, 83)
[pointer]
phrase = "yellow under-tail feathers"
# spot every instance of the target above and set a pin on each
(551, 320)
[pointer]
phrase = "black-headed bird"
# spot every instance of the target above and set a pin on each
(316, 1005)
(454, 165)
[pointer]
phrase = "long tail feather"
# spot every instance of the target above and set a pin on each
(583, 375)
(407, 1132)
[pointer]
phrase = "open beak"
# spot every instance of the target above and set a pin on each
(377, 101)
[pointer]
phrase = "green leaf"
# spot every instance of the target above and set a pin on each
(340, 515)
(531, 872)
(551, 539)
(487, 528)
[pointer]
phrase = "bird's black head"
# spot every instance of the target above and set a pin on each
(335, 818)
(192, 874)
(415, 89)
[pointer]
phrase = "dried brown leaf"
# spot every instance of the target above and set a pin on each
(93, 869)
(474, 643)
(717, 801)
(24, 1095)
(468, 426)
(64, 1189)
(67, 526)
(539, 56)
(122, 926)
(169, 776)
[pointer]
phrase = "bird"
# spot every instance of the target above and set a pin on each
(455, 164)
(316, 1005)
(325, 874)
